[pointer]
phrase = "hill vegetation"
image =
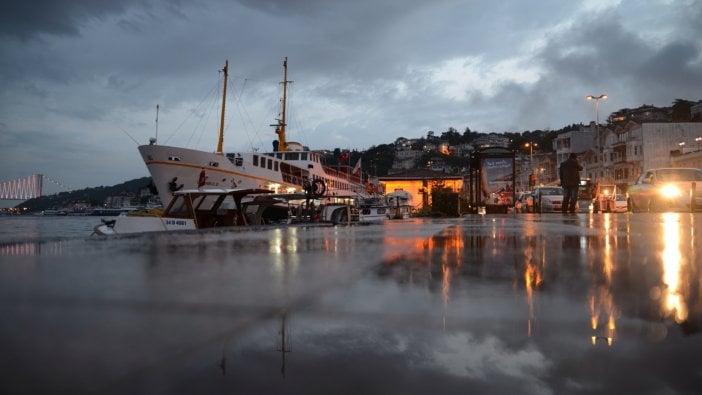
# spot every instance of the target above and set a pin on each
(88, 197)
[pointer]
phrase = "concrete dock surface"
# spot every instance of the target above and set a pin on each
(494, 304)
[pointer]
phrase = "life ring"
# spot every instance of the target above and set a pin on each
(319, 188)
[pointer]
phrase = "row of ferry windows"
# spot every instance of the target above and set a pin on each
(265, 163)
(295, 156)
(291, 156)
(273, 165)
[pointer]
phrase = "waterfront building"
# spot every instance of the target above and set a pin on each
(574, 141)
(419, 184)
(631, 148)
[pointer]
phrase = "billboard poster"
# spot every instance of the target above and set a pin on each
(496, 179)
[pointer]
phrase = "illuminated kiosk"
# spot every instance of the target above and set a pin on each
(492, 180)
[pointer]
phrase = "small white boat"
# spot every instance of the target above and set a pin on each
(54, 212)
(188, 210)
(353, 209)
(400, 204)
(373, 210)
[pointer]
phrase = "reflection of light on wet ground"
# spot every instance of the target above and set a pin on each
(608, 249)
(600, 301)
(532, 280)
(674, 303)
(283, 250)
(201, 313)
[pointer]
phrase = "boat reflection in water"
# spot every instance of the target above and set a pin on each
(32, 248)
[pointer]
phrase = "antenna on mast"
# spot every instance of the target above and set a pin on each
(280, 126)
(153, 140)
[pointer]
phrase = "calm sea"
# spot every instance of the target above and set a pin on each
(24, 228)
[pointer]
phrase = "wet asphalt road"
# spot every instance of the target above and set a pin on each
(536, 304)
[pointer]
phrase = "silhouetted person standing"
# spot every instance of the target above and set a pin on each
(569, 173)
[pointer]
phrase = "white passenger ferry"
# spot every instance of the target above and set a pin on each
(287, 169)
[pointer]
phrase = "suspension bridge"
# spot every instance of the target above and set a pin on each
(26, 188)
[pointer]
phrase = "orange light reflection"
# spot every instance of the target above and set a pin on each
(600, 301)
(673, 302)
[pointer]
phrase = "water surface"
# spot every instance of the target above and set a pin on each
(537, 304)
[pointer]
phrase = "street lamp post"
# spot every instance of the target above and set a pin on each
(698, 139)
(597, 116)
(531, 145)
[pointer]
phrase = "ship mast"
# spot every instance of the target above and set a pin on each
(280, 127)
(225, 70)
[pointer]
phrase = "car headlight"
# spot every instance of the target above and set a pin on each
(670, 191)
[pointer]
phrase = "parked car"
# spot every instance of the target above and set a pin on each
(548, 199)
(667, 189)
(619, 204)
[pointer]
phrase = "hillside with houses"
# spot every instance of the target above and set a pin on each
(615, 151)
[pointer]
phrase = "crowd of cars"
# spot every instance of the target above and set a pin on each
(656, 190)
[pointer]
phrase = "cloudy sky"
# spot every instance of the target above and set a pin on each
(80, 80)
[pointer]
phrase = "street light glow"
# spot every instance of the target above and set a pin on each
(531, 146)
(591, 97)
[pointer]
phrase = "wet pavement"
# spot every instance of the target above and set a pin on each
(536, 304)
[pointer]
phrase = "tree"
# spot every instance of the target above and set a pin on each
(452, 136)
(469, 136)
(378, 160)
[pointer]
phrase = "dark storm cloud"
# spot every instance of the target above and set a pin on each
(24, 19)
(674, 65)
(600, 53)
